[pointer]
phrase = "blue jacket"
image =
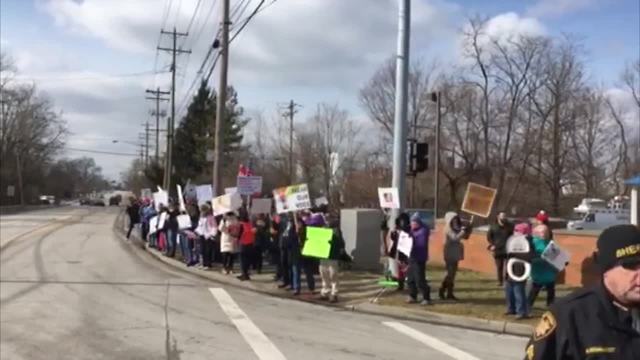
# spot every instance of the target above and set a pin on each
(541, 271)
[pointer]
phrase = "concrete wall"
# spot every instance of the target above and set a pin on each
(581, 269)
(361, 231)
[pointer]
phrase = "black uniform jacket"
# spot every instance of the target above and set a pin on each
(585, 325)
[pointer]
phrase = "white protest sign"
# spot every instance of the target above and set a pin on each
(146, 193)
(226, 203)
(405, 243)
(184, 222)
(204, 193)
(389, 198)
(160, 198)
(260, 206)
(248, 185)
(321, 201)
(181, 199)
(292, 198)
(518, 244)
(556, 256)
(153, 225)
(230, 190)
(162, 218)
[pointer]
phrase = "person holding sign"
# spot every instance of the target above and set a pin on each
(418, 262)
(230, 232)
(543, 274)
(454, 233)
(397, 262)
(247, 239)
(329, 266)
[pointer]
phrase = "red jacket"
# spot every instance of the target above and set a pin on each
(248, 236)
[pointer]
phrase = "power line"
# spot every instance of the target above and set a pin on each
(165, 15)
(193, 17)
(96, 77)
(101, 152)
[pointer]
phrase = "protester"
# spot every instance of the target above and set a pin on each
(515, 288)
(308, 265)
(172, 230)
(542, 218)
(133, 210)
(329, 268)
(274, 247)
(291, 248)
(207, 229)
(497, 237)
(454, 233)
(149, 212)
(398, 262)
(230, 231)
(262, 242)
(284, 227)
(418, 262)
(543, 274)
(162, 228)
(247, 238)
(188, 237)
(601, 321)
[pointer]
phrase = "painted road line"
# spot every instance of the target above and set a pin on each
(261, 345)
(430, 341)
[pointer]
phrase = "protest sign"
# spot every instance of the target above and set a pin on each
(230, 190)
(204, 193)
(184, 222)
(162, 218)
(160, 198)
(181, 199)
(146, 193)
(260, 206)
(405, 243)
(226, 203)
(318, 243)
(248, 185)
(321, 201)
(389, 198)
(189, 192)
(478, 200)
(292, 198)
(556, 256)
(153, 225)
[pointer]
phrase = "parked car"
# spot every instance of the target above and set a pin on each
(115, 200)
(47, 199)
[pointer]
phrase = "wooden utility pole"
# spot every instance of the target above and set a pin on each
(221, 100)
(171, 123)
(289, 113)
(157, 98)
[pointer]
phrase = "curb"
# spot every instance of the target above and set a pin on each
(429, 317)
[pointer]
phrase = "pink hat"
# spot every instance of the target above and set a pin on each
(523, 228)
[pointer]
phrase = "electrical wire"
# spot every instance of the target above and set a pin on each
(193, 17)
(165, 16)
(101, 152)
(97, 77)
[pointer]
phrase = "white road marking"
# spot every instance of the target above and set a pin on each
(430, 341)
(261, 345)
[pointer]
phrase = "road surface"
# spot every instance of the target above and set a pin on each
(72, 289)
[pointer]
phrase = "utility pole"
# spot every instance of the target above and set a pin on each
(290, 112)
(170, 124)
(436, 175)
(157, 98)
(400, 120)
(222, 98)
(146, 143)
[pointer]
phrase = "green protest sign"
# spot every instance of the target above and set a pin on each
(318, 243)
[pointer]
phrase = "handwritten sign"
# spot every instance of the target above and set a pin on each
(389, 198)
(204, 193)
(248, 185)
(318, 242)
(226, 203)
(292, 198)
(478, 200)
(405, 243)
(260, 206)
(556, 256)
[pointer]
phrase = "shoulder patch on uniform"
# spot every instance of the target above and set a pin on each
(530, 352)
(545, 327)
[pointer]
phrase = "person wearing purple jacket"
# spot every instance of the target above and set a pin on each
(418, 262)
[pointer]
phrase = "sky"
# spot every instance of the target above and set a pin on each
(95, 58)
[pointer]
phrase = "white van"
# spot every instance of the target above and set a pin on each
(598, 219)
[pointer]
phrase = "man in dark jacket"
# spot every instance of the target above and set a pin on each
(497, 237)
(418, 261)
(133, 210)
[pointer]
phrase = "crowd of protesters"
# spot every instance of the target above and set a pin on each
(252, 240)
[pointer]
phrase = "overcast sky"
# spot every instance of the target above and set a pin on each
(306, 50)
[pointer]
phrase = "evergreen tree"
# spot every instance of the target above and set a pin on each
(194, 135)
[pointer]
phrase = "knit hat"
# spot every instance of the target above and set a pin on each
(618, 245)
(542, 216)
(416, 218)
(522, 228)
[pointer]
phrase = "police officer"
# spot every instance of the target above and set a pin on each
(601, 322)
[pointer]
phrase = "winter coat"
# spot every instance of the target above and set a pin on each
(453, 247)
(207, 227)
(420, 248)
(541, 271)
(248, 235)
(230, 231)
(497, 236)
(134, 213)
(337, 245)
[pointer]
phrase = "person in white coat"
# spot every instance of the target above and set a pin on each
(207, 230)
(229, 233)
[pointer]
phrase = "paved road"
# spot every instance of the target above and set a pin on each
(74, 290)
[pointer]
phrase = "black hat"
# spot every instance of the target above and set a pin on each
(619, 245)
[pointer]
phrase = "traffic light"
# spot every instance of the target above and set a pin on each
(418, 157)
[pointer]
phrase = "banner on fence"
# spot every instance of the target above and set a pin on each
(260, 206)
(478, 200)
(204, 193)
(249, 185)
(292, 198)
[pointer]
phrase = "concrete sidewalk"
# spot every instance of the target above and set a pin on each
(357, 289)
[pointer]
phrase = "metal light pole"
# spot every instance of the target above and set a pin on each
(400, 120)
(437, 97)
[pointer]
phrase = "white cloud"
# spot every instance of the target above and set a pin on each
(555, 8)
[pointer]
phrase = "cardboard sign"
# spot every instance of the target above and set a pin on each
(230, 190)
(389, 198)
(160, 198)
(204, 193)
(248, 185)
(321, 201)
(405, 243)
(318, 243)
(181, 199)
(184, 222)
(226, 203)
(260, 206)
(153, 225)
(292, 198)
(556, 256)
(478, 200)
